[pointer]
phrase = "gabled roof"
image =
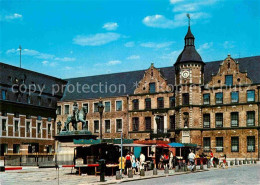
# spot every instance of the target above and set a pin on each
(251, 65)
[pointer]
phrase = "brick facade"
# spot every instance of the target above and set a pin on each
(191, 106)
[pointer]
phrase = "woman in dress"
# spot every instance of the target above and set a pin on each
(128, 163)
(121, 165)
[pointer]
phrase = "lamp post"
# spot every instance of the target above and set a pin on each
(100, 110)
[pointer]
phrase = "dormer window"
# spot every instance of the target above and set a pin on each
(229, 80)
(152, 87)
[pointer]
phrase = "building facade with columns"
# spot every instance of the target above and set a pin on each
(214, 104)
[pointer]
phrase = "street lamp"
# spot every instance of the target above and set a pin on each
(100, 110)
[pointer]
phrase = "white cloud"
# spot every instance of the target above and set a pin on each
(30, 52)
(130, 44)
(190, 6)
(68, 68)
(110, 26)
(205, 46)
(53, 64)
(65, 59)
(12, 51)
(229, 44)
(39, 55)
(9, 17)
(175, 1)
(133, 57)
(113, 62)
(158, 21)
(45, 62)
(172, 55)
(156, 45)
(96, 39)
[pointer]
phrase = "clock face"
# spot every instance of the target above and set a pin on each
(185, 74)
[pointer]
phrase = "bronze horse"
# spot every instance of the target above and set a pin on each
(72, 119)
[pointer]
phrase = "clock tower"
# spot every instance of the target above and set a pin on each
(189, 76)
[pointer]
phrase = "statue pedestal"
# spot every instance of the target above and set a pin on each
(75, 132)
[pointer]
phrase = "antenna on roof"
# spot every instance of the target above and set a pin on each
(20, 48)
(188, 15)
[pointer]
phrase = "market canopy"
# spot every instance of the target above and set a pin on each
(163, 146)
(98, 141)
(190, 145)
(176, 145)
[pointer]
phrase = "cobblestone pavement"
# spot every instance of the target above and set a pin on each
(34, 176)
(235, 175)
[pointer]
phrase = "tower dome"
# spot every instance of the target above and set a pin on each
(189, 53)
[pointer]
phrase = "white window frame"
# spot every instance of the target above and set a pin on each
(94, 126)
(60, 109)
(16, 119)
(38, 121)
(85, 103)
(122, 105)
(105, 125)
(28, 120)
(6, 125)
(116, 125)
(65, 109)
(94, 107)
(105, 106)
(88, 124)
(48, 123)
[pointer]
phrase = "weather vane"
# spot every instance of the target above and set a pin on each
(188, 15)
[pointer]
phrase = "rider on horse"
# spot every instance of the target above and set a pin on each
(76, 111)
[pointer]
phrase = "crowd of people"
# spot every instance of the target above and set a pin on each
(131, 162)
(167, 159)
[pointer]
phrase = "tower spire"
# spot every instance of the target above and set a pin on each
(189, 38)
(188, 15)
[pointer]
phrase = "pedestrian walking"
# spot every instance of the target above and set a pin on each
(191, 158)
(142, 160)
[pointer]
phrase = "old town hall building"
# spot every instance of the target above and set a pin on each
(214, 105)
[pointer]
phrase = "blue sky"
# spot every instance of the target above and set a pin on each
(83, 38)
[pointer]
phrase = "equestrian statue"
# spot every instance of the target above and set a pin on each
(78, 116)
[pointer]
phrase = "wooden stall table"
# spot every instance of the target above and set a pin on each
(112, 166)
(87, 166)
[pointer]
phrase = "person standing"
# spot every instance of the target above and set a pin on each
(138, 165)
(165, 160)
(128, 162)
(121, 165)
(161, 162)
(142, 160)
(191, 158)
(133, 160)
(171, 160)
(211, 158)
